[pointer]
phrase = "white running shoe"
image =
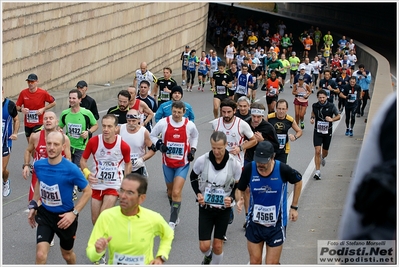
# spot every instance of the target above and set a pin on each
(6, 188)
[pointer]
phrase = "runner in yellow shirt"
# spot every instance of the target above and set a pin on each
(128, 231)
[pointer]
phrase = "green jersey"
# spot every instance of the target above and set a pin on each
(286, 42)
(76, 124)
(273, 65)
(286, 65)
(294, 62)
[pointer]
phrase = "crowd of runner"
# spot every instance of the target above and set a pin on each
(250, 139)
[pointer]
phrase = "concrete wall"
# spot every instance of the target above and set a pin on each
(381, 85)
(97, 42)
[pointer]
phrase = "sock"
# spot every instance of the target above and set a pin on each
(170, 200)
(318, 172)
(208, 253)
(217, 259)
(199, 83)
(174, 211)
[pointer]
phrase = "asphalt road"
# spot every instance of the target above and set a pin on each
(19, 238)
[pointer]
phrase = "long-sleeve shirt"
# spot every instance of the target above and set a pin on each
(132, 236)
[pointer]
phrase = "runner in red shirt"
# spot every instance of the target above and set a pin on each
(33, 99)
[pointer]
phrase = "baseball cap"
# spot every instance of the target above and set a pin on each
(263, 152)
(302, 67)
(187, 46)
(81, 84)
(293, 53)
(300, 77)
(32, 77)
(177, 89)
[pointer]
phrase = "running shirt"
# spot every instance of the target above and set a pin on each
(235, 132)
(130, 246)
(136, 142)
(323, 84)
(268, 203)
(33, 102)
(203, 65)
(9, 112)
(214, 64)
(216, 185)
(178, 146)
(184, 58)
(321, 126)
(192, 66)
(230, 51)
(56, 184)
(273, 65)
(240, 60)
(162, 84)
(108, 160)
(294, 62)
(272, 87)
(219, 78)
(242, 83)
(120, 114)
(302, 92)
(76, 124)
(147, 76)
(282, 126)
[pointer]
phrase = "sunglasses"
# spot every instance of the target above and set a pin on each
(132, 116)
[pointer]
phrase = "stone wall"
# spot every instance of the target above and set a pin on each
(98, 42)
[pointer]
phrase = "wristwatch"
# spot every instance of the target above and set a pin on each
(163, 258)
(75, 212)
(294, 207)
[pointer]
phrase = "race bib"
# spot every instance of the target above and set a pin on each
(164, 96)
(221, 89)
(191, 64)
(352, 98)
(107, 172)
(32, 117)
(214, 196)
(302, 94)
(272, 92)
(175, 150)
(322, 127)
(50, 194)
(241, 89)
(264, 215)
(293, 65)
(307, 46)
(74, 130)
(134, 157)
(185, 61)
(122, 259)
(202, 67)
(252, 42)
(282, 138)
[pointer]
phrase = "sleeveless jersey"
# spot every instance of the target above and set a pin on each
(135, 141)
(326, 52)
(268, 197)
(234, 136)
(202, 65)
(301, 93)
(176, 140)
(214, 63)
(230, 52)
(108, 165)
(185, 56)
